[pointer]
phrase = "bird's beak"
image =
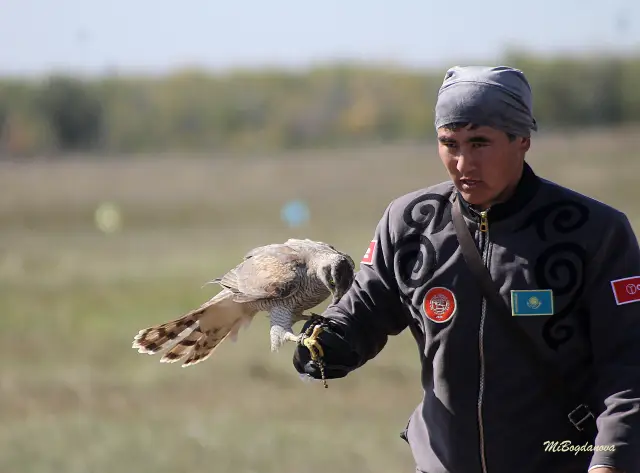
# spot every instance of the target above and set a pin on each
(337, 295)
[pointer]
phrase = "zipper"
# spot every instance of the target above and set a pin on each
(484, 221)
(484, 246)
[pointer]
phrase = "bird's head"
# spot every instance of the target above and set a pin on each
(338, 274)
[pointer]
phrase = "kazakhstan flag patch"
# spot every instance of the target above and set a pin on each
(532, 302)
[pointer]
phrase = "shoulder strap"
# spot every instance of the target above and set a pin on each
(579, 413)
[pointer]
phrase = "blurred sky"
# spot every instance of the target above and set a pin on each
(37, 36)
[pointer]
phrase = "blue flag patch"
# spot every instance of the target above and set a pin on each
(532, 302)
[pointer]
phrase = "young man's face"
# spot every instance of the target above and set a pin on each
(483, 163)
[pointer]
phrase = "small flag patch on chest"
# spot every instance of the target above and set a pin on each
(626, 290)
(532, 302)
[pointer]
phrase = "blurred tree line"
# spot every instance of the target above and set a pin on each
(273, 109)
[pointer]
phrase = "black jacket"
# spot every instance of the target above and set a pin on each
(483, 409)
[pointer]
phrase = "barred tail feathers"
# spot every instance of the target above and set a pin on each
(209, 341)
(195, 335)
(155, 339)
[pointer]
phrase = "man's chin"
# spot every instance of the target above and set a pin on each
(476, 198)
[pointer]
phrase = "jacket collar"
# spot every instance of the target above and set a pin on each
(524, 192)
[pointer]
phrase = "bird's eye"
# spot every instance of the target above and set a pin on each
(331, 282)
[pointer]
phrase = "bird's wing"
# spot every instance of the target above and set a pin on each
(267, 272)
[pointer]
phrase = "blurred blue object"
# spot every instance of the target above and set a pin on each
(295, 213)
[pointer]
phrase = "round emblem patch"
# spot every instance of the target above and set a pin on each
(534, 302)
(439, 304)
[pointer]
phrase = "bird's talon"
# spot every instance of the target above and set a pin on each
(310, 341)
(313, 345)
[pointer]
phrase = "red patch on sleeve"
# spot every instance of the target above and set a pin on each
(626, 290)
(368, 256)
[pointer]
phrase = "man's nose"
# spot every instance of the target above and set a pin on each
(466, 164)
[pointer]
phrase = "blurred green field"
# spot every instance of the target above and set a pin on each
(74, 396)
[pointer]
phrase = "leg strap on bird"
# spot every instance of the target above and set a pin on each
(309, 339)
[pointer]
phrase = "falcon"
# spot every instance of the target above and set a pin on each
(282, 279)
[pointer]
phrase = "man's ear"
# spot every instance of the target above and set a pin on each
(525, 143)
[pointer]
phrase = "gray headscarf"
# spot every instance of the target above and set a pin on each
(499, 97)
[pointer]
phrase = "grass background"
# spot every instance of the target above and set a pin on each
(74, 396)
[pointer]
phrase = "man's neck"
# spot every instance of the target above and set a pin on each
(504, 196)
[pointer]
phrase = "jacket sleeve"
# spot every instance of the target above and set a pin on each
(615, 339)
(372, 310)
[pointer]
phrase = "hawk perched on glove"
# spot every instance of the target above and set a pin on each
(281, 279)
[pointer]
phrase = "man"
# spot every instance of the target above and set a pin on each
(567, 266)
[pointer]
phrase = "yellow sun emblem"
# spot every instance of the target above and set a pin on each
(533, 302)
